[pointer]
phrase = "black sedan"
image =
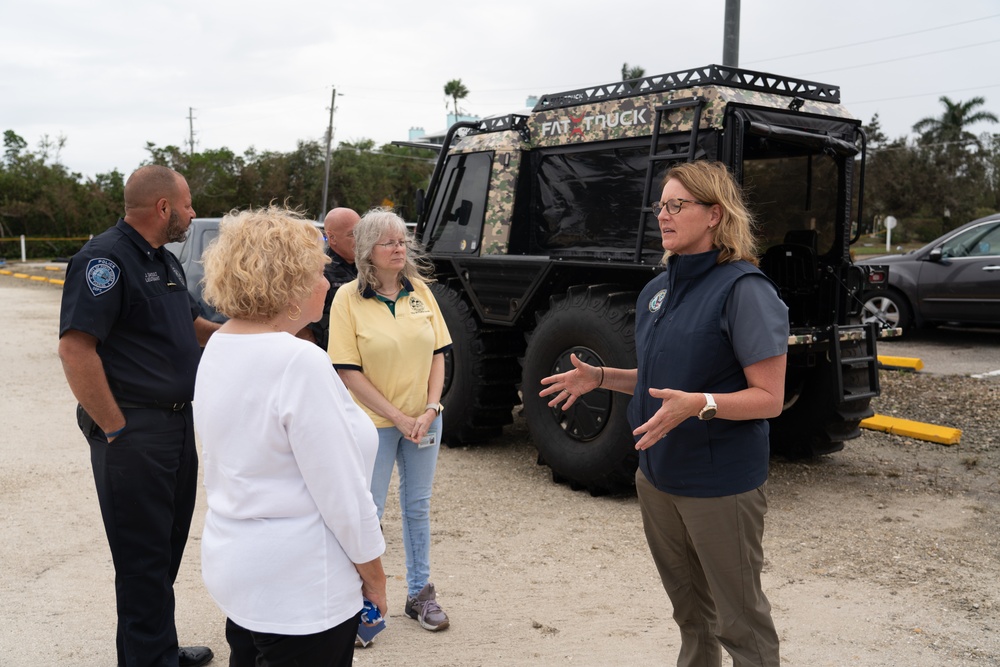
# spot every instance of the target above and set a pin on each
(955, 278)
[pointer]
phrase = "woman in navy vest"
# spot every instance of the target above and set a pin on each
(711, 337)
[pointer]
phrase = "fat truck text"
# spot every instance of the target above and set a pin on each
(581, 124)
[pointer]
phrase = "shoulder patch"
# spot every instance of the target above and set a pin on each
(102, 274)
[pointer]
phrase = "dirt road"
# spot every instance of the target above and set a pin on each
(884, 554)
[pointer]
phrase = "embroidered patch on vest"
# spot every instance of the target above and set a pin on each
(657, 300)
(102, 274)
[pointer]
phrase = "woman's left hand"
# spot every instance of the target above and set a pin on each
(677, 406)
(421, 425)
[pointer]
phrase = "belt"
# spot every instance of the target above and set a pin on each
(174, 407)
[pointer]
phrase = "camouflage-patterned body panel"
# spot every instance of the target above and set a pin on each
(507, 140)
(603, 121)
(634, 116)
(500, 202)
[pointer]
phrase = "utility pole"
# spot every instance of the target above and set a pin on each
(731, 39)
(326, 168)
(191, 132)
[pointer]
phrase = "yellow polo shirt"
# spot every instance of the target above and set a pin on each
(393, 351)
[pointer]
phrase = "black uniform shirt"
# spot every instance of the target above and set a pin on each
(133, 298)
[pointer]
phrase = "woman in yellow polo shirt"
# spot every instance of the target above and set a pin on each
(387, 341)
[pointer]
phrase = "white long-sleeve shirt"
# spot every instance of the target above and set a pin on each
(288, 459)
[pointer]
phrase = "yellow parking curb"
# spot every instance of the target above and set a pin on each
(57, 281)
(6, 272)
(53, 268)
(39, 278)
(21, 275)
(907, 363)
(911, 429)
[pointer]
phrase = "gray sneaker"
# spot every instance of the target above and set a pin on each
(426, 610)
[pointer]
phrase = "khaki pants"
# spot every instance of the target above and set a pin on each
(709, 555)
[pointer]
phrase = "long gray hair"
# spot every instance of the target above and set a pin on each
(375, 224)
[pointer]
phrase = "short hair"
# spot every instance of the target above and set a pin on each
(262, 261)
(711, 182)
(148, 184)
(373, 225)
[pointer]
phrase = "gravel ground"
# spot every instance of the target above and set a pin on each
(883, 554)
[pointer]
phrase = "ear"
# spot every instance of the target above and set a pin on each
(715, 216)
(163, 207)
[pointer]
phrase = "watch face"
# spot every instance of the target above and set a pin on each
(707, 413)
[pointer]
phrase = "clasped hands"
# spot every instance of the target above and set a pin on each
(415, 428)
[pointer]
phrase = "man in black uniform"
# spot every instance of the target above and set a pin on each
(339, 228)
(129, 341)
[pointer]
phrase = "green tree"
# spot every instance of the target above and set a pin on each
(952, 125)
(456, 90)
(635, 72)
(12, 146)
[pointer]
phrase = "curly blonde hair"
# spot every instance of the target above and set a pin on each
(263, 261)
(711, 182)
(375, 224)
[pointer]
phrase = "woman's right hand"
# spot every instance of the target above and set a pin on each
(406, 425)
(572, 384)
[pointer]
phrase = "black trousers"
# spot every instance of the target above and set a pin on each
(330, 648)
(146, 484)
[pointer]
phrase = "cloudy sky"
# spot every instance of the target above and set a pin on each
(111, 75)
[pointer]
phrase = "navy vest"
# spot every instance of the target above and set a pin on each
(680, 345)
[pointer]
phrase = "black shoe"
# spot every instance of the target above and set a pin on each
(194, 656)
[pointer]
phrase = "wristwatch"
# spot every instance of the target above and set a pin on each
(436, 407)
(710, 408)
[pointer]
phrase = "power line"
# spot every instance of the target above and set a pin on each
(873, 41)
(893, 60)
(943, 92)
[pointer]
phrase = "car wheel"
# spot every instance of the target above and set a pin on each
(887, 308)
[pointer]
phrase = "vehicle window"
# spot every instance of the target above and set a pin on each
(591, 200)
(791, 193)
(207, 237)
(979, 241)
(459, 206)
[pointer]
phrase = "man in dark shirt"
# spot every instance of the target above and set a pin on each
(339, 229)
(129, 341)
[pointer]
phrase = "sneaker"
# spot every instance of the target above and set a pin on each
(425, 609)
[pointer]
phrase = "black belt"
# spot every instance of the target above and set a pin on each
(174, 407)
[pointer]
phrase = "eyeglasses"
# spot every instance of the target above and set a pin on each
(673, 206)
(389, 245)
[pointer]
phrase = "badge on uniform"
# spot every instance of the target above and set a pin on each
(657, 300)
(418, 306)
(102, 274)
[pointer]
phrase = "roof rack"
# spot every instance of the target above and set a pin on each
(702, 76)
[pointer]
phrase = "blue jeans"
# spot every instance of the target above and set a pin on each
(416, 477)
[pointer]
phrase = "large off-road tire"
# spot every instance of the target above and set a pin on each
(887, 307)
(590, 445)
(813, 421)
(481, 371)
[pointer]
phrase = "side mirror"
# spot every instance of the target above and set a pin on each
(935, 255)
(418, 202)
(464, 212)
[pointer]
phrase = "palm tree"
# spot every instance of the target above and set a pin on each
(951, 126)
(632, 72)
(456, 90)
